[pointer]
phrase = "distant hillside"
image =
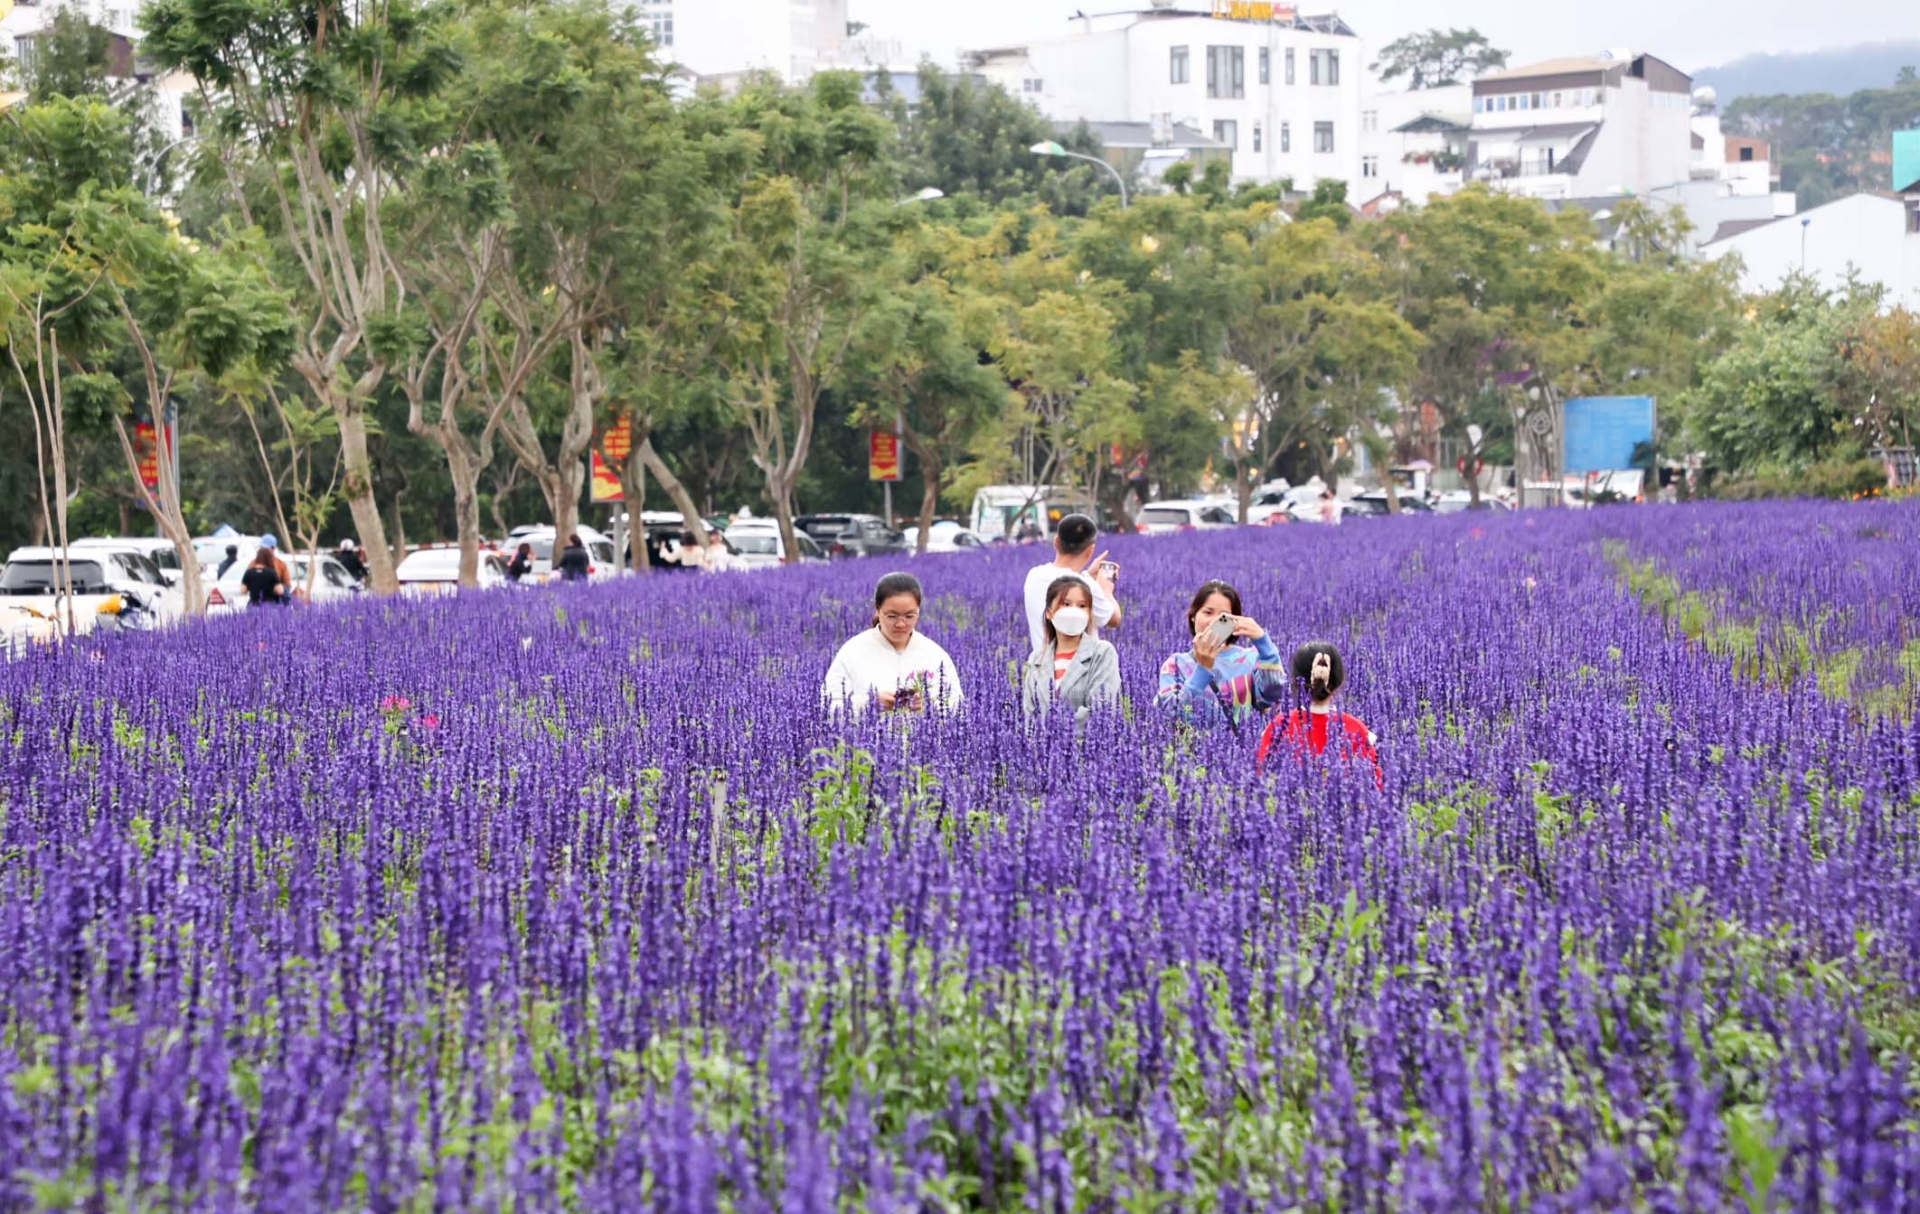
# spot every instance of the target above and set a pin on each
(1840, 70)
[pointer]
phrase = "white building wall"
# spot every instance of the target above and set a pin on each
(1123, 72)
(1865, 233)
(793, 38)
(1380, 112)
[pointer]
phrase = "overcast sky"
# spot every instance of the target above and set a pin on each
(1689, 35)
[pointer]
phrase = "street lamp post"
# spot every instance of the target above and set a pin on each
(1052, 148)
(1805, 223)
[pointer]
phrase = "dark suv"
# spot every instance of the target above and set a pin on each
(853, 534)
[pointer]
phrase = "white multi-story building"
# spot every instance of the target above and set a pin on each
(1413, 144)
(792, 38)
(24, 24)
(1582, 128)
(1278, 88)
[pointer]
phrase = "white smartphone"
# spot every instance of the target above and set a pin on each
(1222, 629)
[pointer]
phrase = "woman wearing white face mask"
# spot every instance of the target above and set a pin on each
(1070, 667)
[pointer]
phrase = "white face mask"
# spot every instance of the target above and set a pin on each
(1071, 621)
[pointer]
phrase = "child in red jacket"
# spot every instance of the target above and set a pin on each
(1310, 729)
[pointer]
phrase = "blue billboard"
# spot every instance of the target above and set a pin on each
(1603, 431)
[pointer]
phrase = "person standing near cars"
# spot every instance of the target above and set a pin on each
(349, 557)
(263, 579)
(1231, 675)
(575, 565)
(233, 557)
(1074, 556)
(521, 564)
(271, 543)
(1072, 668)
(892, 663)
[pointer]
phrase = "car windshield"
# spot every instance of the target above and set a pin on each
(542, 548)
(756, 545)
(39, 577)
(165, 558)
(826, 526)
(1168, 517)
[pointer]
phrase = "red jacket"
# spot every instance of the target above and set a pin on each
(1307, 731)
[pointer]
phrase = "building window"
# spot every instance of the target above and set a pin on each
(1369, 121)
(1286, 137)
(1323, 67)
(1746, 154)
(1177, 70)
(1369, 166)
(1556, 100)
(1323, 137)
(1289, 65)
(1266, 64)
(1227, 131)
(1226, 71)
(1256, 137)
(1033, 84)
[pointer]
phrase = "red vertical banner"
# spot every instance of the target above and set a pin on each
(146, 449)
(616, 441)
(883, 456)
(606, 481)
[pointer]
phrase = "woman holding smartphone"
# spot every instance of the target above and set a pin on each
(1233, 671)
(1072, 668)
(891, 663)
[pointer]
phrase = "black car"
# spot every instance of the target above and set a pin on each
(853, 534)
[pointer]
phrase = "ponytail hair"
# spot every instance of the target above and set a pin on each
(1318, 665)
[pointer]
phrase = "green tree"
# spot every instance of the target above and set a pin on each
(973, 140)
(1782, 395)
(1490, 282)
(917, 363)
(93, 279)
(320, 113)
(798, 265)
(1435, 58)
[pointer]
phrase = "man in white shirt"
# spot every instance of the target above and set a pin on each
(1074, 556)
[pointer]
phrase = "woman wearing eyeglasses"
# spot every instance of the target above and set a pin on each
(891, 664)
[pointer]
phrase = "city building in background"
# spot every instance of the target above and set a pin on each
(23, 24)
(1874, 236)
(1279, 90)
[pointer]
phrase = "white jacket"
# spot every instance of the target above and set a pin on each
(869, 664)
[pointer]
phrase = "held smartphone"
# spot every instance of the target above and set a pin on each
(1109, 570)
(1221, 629)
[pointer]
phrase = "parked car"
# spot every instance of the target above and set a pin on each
(853, 534)
(1159, 518)
(159, 550)
(32, 604)
(756, 545)
(1453, 501)
(437, 570)
(331, 584)
(944, 536)
(1373, 504)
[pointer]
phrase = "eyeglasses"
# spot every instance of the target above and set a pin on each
(900, 617)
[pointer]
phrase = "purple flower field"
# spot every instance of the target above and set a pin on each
(572, 900)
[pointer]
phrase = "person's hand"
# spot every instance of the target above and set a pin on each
(1246, 626)
(1206, 648)
(1102, 577)
(887, 699)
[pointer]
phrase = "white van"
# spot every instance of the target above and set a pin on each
(999, 511)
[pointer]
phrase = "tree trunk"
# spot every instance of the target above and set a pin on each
(168, 517)
(929, 502)
(464, 471)
(676, 490)
(1242, 484)
(633, 491)
(782, 495)
(358, 489)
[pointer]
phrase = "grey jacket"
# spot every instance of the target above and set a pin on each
(1093, 677)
